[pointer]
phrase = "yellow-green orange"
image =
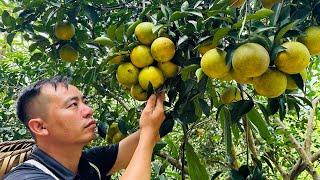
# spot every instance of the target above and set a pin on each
(113, 129)
(68, 53)
(117, 137)
(144, 34)
(294, 59)
(291, 84)
(213, 63)
(127, 74)
(236, 3)
(151, 74)
(230, 94)
(239, 78)
(205, 48)
(169, 69)
(116, 60)
(270, 84)
(138, 93)
(163, 49)
(312, 39)
(64, 30)
(141, 56)
(250, 60)
(268, 3)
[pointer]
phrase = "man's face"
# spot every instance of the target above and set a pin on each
(69, 118)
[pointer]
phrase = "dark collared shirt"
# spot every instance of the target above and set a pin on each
(102, 157)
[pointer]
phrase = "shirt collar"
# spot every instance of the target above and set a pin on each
(54, 166)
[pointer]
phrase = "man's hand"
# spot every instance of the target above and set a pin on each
(152, 117)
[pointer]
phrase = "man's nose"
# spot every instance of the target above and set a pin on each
(87, 111)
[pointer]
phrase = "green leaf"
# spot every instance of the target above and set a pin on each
(199, 74)
(199, 14)
(91, 13)
(177, 15)
(10, 38)
(164, 10)
(7, 20)
(120, 33)
(240, 108)
(305, 100)
(132, 27)
(187, 70)
(36, 56)
(182, 39)
(282, 109)
(195, 168)
(273, 105)
(160, 145)
(167, 126)
(260, 14)
(226, 117)
(275, 51)
(156, 28)
(219, 34)
(205, 107)
(184, 6)
(298, 80)
(256, 119)
(283, 31)
(111, 31)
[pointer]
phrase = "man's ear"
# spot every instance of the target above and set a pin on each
(37, 127)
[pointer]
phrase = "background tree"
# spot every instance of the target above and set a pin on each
(239, 134)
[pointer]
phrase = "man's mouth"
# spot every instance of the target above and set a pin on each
(91, 124)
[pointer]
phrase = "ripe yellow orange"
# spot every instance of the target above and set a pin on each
(64, 30)
(144, 34)
(163, 49)
(230, 94)
(138, 93)
(250, 60)
(151, 74)
(213, 63)
(268, 3)
(127, 74)
(291, 84)
(294, 59)
(312, 39)
(270, 84)
(141, 56)
(68, 53)
(169, 69)
(239, 78)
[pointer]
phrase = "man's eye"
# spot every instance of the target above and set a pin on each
(73, 104)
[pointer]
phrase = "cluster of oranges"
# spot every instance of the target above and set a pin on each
(65, 31)
(150, 62)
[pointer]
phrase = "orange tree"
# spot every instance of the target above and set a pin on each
(232, 69)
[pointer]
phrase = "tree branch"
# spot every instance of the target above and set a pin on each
(307, 144)
(300, 150)
(124, 104)
(278, 166)
(300, 167)
(172, 161)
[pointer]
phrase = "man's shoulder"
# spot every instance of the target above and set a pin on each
(26, 171)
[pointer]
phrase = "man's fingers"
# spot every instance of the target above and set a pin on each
(151, 103)
(160, 98)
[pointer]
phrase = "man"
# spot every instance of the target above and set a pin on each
(61, 122)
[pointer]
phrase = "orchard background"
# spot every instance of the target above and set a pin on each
(215, 134)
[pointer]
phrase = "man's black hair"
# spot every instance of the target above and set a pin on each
(33, 91)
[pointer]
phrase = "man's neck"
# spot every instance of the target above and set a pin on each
(67, 155)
